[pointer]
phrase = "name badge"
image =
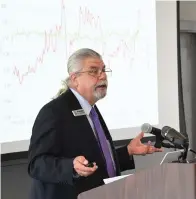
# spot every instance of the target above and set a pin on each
(78, 112)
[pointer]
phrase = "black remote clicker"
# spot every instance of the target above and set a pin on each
(90, 164)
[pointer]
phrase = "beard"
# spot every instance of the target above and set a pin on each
(100, 90)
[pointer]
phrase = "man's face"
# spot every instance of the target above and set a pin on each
(91, 82)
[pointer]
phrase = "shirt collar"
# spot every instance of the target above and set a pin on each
(83, 102)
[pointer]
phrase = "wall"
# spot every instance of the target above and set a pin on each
(188, 60)
(15, 181)
(188, 10)
(188, 16)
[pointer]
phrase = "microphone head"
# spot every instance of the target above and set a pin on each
(171, 133)
(165, 130)
(146, 128)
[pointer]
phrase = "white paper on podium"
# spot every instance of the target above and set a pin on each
(109, 180)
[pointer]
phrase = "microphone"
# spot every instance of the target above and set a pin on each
(178, 139)
(147, 128)
(171, 134)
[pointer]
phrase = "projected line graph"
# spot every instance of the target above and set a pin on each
(39, 37)
(51, 37)
(50, 43)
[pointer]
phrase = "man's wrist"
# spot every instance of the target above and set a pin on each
(75, 174)
(129, 150)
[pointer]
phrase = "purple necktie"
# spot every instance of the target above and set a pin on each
(103, 142)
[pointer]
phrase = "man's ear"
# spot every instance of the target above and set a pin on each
(74, 80)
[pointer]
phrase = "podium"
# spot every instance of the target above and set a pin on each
(168, 181)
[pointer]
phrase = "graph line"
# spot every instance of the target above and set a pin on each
(52, 36)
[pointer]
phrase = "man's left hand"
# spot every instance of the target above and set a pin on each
(135, 147)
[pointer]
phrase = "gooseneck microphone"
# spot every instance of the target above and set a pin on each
(177, 139)
(171, 134)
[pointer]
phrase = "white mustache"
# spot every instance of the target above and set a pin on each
(103, 83)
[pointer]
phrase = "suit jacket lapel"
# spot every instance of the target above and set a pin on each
(87, 135)
(75, 105)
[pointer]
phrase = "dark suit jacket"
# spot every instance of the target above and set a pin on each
(57, 138)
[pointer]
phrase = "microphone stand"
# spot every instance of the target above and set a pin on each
(192, 151)
(159, 141)
(183, 157)
(177, 144)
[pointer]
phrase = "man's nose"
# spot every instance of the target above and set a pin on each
(103, 76)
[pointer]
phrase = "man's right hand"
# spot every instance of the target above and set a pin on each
(80, 166)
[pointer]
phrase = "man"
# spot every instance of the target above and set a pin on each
(69, 133)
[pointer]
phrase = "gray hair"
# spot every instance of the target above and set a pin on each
(74, 65)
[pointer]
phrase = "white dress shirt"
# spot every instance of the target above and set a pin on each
(85, 106)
